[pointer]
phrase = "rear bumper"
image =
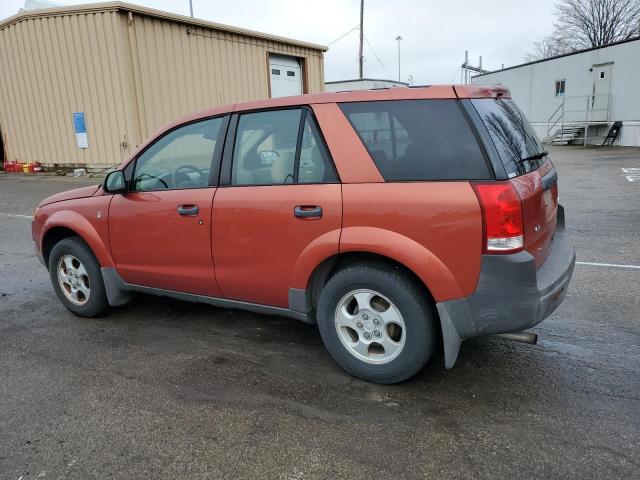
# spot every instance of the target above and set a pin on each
(511, 294)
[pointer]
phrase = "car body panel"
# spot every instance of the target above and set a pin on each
(81, 192)
(87, 217)
(257, 240)
(153, 245)
(433, 228)
(539, 210)
(350, 156)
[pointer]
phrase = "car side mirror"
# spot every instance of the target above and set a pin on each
(115, 182)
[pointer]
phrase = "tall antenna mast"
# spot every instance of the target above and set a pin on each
(360, 56)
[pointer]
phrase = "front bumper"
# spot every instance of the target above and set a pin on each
(511, 294)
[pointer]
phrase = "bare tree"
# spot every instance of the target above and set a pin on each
(589, 23)
(549, 46)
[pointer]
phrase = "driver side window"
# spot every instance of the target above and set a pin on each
(180, 159)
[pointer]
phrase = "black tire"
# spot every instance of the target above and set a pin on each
(408, 297)
(96, 304)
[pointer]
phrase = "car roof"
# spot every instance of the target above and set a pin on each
(381, 94)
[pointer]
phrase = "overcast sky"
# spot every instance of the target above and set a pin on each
(435, 33)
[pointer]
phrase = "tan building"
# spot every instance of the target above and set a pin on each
(123, 71)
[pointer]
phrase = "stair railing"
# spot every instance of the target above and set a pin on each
(556, 117)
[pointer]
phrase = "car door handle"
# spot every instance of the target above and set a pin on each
(307, 211)
(188, 210)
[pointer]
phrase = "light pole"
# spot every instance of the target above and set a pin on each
(360, 56)
(398, 38)
(191, 8)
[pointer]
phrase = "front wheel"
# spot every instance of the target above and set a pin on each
(376, 322)
(76, 278)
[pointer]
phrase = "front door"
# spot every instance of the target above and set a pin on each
(601, 98)
(160, 232)
(282, 201)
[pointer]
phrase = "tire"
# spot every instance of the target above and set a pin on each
(80, 275)
(380, 284)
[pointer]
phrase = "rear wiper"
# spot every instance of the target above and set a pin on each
(537, 156)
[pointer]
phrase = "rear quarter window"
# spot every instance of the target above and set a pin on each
(418, 140)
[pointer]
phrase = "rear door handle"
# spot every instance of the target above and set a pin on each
(307, 211)
(188, 210)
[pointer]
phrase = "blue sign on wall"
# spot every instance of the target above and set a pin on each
(80, 127)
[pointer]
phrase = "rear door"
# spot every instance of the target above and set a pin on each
(278, 200)
(528, 168)
(160, 231)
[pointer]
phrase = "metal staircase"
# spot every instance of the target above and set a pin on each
(571, 120)
(567, 134)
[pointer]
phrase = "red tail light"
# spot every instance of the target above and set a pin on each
(501, 216)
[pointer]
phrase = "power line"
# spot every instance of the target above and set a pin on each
(453, 80)
(343, 35)
(377, 57)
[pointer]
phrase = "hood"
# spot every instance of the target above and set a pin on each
(71, 194)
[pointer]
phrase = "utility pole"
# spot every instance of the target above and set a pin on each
(398, 38)
(360, 56)
(466, 69)
(191, 8)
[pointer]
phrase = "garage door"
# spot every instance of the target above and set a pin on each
(286, 76)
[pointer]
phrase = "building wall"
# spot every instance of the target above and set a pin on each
(533, 86)
(53, 66)
(182, 72)
(130, 73)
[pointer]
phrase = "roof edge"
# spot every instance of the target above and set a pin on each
(152, 12)
(577, 52)
(366, 79)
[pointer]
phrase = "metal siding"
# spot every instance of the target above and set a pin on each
(185, 72)
(52, 67)
(130, 78)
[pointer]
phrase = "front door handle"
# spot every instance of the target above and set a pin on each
(188, 210)
(308, 211)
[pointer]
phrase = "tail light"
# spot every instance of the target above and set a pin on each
(503, 225)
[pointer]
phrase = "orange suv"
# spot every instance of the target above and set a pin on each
(394, 219)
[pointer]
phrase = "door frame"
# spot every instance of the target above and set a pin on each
(302, 61)
(3, 156)
(226, 163)
(216, 159)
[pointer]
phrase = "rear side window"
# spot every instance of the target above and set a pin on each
(514, 138)
(279, 147)
(418, 140)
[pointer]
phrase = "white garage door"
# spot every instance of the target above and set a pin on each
(286, 76)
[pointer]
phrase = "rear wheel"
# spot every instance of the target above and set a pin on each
(376, 322)
(76, 278)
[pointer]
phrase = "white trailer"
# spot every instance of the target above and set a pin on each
(577, 97)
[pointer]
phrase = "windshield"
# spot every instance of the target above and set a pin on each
(512, 135)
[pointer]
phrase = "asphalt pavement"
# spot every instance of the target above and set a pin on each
(166, 389)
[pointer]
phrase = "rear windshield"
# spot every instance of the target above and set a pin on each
(514, 138)
(418, 140)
